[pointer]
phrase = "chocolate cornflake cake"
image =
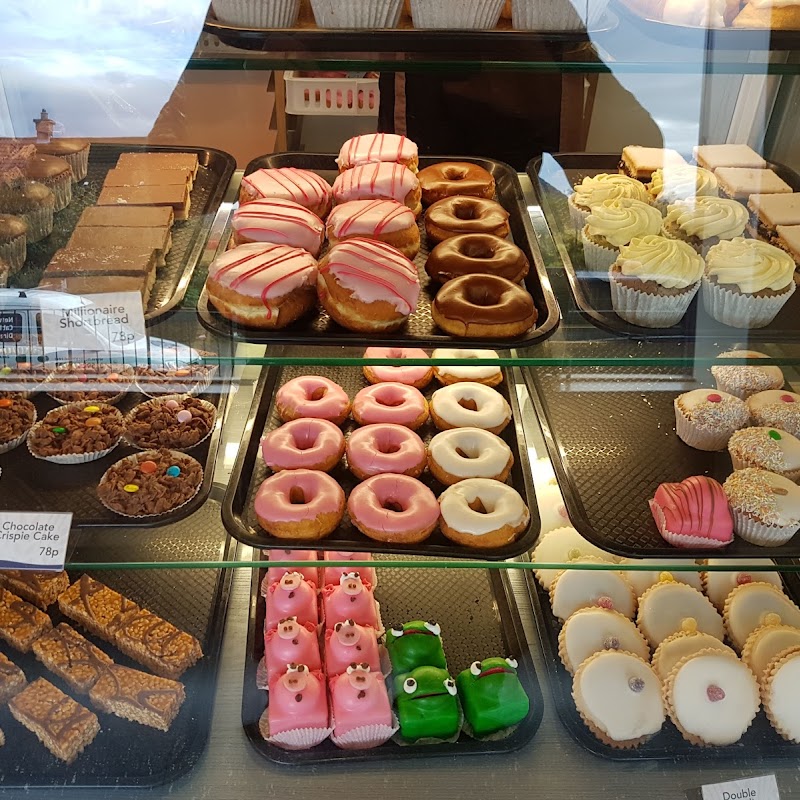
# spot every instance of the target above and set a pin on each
(150, 483)
(88, 430)
(188, 379)
(72, 657)
(74, 383)
(21, 377)
(17, 416)
(12, 679)
(20, 622)
(176, 422)
(40, 588)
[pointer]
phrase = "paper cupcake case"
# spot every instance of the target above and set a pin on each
(79, 163)
(146, 388)
(598, 258)
(76, 458)
(740, 463)
(297, 739)
(365, 737)
(111, 400)
(473, 15)
(14, 443)
(257, 13)
(578, 216)
(13, 253)
(208, 406)
(556, 15)
(649, 310)
(40, 223)
(357, 13)
(742, 310)
(760, 534)
(696, 437)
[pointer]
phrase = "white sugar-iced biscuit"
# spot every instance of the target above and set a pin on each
(576, 588)
(559, 546)
(747, 608)
(766, 642)
(718, 585)
(711, 697)
(685, 642)
(592, 630)
(780, 696)
(642, 580)
(552, 511)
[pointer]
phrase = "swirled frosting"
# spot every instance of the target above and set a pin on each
(606, 186)
(705, 217)
(751, 264)
(618, 221)
(668, 262)
(682, 182)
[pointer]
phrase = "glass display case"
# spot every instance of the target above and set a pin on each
(357, 356)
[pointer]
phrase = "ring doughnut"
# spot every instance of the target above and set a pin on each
(469, 405)
(418, 377)
(299, 504)
(462, 453)
(457, 215)
(489, 376)
(482, 513)
(303, 444)
(449, 178)
(377, 449)
(483, 307)
(395, 403)
(476, 254)
(312, 396)
(393, 508)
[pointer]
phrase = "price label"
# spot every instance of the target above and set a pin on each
(33, 541)
(764, 787)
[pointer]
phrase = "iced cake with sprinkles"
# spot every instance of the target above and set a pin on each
(772, 449)
(705, 419)
(743, 380)
(777, 408)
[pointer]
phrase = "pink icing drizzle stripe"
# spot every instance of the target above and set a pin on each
(293, 220)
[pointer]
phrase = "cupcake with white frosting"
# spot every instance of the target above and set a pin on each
(681, 182)
(592, 191)
(703, 222)
(744, 380)
(766, 448)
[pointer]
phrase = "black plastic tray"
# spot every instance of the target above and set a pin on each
(760, 740)
(611, 438)
(479, 619)
(30, 484)
(553, 177)
(196, 600)
(188, 236)
(420, 330)
(249, 471)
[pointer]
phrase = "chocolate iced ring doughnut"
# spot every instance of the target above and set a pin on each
(483, 307)
(455, 215)
(450, 178)
(476, 254)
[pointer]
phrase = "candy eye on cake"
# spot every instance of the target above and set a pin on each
(450, 686)
(434, 628)
(475, 668)
(409, 686)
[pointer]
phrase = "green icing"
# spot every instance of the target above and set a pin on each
(774, 435)
(418, 646)
(425, 706)
(493, 698)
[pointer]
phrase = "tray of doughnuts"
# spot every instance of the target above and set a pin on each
(415, 251)
(336, 462)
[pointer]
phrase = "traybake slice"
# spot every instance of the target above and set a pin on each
(40, 588)
(12, 679)
(72, 657)
(20, 622)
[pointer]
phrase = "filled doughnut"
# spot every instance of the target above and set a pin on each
(476, 254)
(303, 444)
(394, 403)
(266, 286)
(489, 376)
(384, 221)
(379, 181)
(458, 215)
(280, 222)
(393, 508)
(462, 453)
(288, 183)
(370, 148)
(470, 405)
(299, 504)
(367, 286)
(377, 449)
(418, 377)
(312, 396)
(450, 178)
(483, 307)
(482, 513)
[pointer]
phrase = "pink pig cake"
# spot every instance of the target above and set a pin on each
(276, 571)
(351, 599)
(298, 708)
(291, 643)
(349, 643)
(362, 713)
(331, 575)
(291, 596)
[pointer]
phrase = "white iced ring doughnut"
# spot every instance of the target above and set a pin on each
(468, 453)
(491, 376)
(469, 405)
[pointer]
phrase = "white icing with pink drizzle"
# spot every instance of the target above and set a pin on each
(369, 218)
(301, 185)
(372, 147)
(380, 180)
(374, 271)
(281, 222)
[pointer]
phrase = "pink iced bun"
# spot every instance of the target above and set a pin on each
(418, 377)
(350, 643)
(372, 147)
(693, 513)
(291, 643)
(351, 599)
(383, 220)
(276, 570)
(359, 701)
(375, 449)
(299, 504)
(393, 508)
(394, 403)
(291, 596)
(288, 183)
(280, 222)
(379, 181)
(306, 443)
(297, 699)
(332, 575)
(312, 396)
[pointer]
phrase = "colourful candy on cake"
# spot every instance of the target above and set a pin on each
(291, 643)
(427, 706)
(491, 695)
(332, 575)
(291, 596)
(298, 715)
(693, 513)
(362, 713)
(350, 643)
(275, 571)
(415, 644)
(352, 599)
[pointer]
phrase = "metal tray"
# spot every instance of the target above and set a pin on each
(30, 484)
(188, 236)
(611, 438)
(760, 739)
(479, 619)
(196, 600)
(420, 330)
(249, 471)
(553, 177)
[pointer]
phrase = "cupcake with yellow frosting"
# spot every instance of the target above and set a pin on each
(654, 280)
(747, 282)
(681, 182)
(704, 222)
(595, 190)
(612, 224)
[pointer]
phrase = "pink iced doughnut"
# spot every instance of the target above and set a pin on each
(299, 504)
(312, 396)
(375, 449)
(303, 444)
(418, 377)
(393, 508)
(394, 403)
